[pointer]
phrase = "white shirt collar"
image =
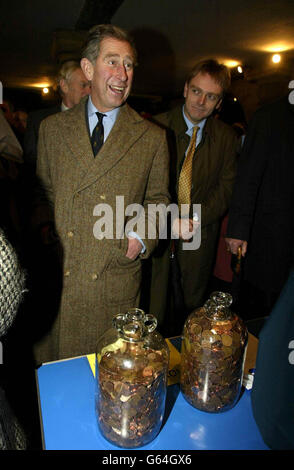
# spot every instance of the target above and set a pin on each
(108, 120)
(64, 107)
(93, 110)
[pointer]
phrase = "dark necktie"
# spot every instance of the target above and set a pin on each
(97, 138)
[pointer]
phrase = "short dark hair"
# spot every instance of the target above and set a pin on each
(99, 32)
(219, 72)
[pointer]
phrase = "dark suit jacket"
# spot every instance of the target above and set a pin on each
(212, 182)
(262, 204)
(214, 163)
(32, 133)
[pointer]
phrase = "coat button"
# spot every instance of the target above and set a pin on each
(70, 234)
(94, 277)
(67, 273)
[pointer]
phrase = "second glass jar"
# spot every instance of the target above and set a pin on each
(212, 355)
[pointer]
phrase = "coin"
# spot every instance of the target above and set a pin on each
(130, 400)
(211, 363)
(196, 329)
(227, 340)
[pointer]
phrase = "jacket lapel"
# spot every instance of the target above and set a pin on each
(128, 128)
(204, 158)
(182, 139)
(76, 135)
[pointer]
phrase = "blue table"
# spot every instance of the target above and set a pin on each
(67, 410)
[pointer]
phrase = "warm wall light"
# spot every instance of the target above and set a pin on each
(239, 68)
(231, 63)
(276, 58)
(45, 90)
(277, 47)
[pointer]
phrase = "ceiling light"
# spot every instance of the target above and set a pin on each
(276, 58)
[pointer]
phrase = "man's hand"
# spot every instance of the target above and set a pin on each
(134, 248)
(184, 228)
(233, 245)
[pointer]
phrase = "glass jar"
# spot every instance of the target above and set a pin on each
(132, 366)
(212, 355)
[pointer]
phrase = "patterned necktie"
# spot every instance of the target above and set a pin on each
(97, 138)
(185, 179)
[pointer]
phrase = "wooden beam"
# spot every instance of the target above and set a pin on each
(97, 12)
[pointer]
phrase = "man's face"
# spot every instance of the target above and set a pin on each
(203, 96)
(75, 88)
(112, 74)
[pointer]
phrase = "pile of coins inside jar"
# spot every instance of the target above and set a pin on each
(132, 387)
(212, 361)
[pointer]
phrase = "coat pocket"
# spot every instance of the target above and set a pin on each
(122, 284)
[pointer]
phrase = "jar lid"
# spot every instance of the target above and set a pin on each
(218, 305)
(134, 324)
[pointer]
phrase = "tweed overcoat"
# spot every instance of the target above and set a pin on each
(99, 280)
(214, 166)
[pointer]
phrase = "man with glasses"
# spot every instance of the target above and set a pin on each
(212, 172)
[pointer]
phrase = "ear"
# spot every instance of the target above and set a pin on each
(185, 90)
(87, 68)
(63, 85)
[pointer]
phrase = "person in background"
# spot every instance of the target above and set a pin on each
(212, 172)
(72, 86)
(11, 162)
(12, 288)
(20, 120)
(261, 212)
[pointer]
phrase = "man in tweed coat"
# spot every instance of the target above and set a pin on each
(101, 276)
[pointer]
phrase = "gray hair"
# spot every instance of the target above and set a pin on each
(99, 32)
(67, 69)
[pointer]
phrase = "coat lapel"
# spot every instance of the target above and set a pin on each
(128, 128)
(205, 159)
(182, 139)
(76, 135)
